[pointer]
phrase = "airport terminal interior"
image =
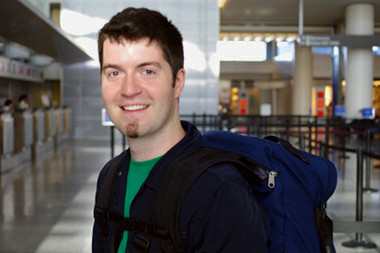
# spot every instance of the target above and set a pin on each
(304, 70)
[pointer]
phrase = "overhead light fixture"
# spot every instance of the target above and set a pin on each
(291, 39)
(78, 24)
(269, 39)
(279, 39)
(222, 3)
(248, 38)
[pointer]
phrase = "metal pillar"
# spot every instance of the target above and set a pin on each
(359, 242)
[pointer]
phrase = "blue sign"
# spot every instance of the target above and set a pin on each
(368, 113)
(106, 121)
(340, 111)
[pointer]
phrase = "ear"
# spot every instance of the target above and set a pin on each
(179, 83)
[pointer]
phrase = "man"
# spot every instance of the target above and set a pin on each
(23, 102)
(142, 74)
(8, 105)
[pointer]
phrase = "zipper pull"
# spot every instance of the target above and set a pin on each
(271, 179)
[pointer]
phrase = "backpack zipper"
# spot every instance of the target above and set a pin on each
(271, 179)
(263, 172)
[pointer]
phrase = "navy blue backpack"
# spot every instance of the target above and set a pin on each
(292, 187)
(294, 195)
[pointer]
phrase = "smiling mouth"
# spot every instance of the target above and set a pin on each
(134, 107)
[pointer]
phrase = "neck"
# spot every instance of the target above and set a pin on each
(149, 147)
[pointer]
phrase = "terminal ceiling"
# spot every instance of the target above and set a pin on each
(283, 15)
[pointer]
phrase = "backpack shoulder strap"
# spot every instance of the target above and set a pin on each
(165, 206)
(105, 193)
(289, 147)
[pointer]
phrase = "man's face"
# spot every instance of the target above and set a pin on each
(137, 87)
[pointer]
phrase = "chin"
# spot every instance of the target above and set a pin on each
(132, 130)
(133, 135)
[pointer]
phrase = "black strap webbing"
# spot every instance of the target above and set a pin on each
(105, 194)
(180, 176)
(164, 208)
(325, 229)
(289, 147)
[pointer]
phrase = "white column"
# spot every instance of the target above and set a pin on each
(303, 79)
(359, 72)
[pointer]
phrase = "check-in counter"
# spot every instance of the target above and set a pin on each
(67, 112)
(7, 133)
(59, 120)
(23, 130)
(39, 125)
(50, 124)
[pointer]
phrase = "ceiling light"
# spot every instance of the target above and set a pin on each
(79, 24)
(279, 39)
(269, 39)
(291, 39)
(222, 3)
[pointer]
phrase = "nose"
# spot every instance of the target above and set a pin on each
(130, 86)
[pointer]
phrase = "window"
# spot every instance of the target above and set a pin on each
(241, 50)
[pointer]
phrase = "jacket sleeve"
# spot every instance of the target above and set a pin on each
(234, 222)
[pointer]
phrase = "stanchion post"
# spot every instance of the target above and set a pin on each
(310, 132)
(368, 165)
(204, 122)
(327, 140)
(327, 131)
(359, 242)
(316, 134)
(123, 142)
(321, 149)
(302, 141)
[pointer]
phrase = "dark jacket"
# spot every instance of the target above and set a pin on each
(219, 213)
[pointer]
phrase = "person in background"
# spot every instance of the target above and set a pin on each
(8, 105)
(142, 78)
(23, 102)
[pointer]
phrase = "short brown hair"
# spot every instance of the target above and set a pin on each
(138, 23)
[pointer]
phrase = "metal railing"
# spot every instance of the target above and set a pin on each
(358, 226)
(314, 135)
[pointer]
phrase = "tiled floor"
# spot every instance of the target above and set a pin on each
(46, 206)
(342, 205)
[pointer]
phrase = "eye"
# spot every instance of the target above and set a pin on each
(148, 72)
(113, 74)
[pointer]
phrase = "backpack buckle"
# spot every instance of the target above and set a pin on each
(99, 211)
(101, 216)
(141, 243)
(159, 232)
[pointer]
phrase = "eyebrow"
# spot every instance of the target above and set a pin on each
(107, 66)
(156, 64)
(116, 66)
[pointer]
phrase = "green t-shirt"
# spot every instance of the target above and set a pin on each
(138, 172)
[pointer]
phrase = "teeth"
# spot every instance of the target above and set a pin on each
(134, 107)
